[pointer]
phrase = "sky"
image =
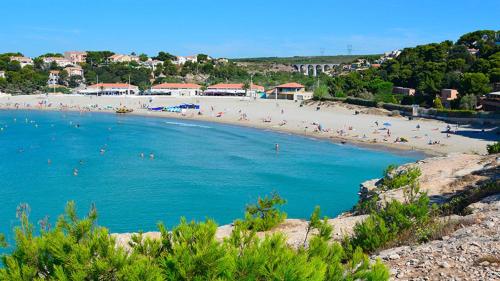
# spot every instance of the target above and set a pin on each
(237, 28)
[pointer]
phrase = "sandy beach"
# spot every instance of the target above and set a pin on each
(338, 122)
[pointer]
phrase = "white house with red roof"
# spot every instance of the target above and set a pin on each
(289, 91)
(110, 89)
(176, 89)
(232, 90)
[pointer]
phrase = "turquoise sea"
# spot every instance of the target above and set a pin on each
(199, 169)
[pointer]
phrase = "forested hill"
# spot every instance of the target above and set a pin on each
(471, 65)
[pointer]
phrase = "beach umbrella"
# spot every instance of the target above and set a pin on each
(387, 124)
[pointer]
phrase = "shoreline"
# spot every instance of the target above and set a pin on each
(338, 122)
(385, 147)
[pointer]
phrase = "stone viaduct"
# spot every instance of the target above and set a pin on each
(314, 68)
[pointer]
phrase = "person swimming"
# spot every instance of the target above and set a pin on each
(151, 156)
(49, 161)
(75, 172)
(277, 147)
(102, 151)
(142, 154)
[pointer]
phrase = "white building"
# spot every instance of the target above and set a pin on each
(110, 89)
(23, 61)
(232, 90)
(53, 77)
(179, 60)
(176, 89)
(61, 62)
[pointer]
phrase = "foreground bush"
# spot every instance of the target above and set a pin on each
(78, 249)
(265, 214)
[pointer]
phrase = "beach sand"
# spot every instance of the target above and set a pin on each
(334, 121)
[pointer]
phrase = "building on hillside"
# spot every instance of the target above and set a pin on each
(491, 102)
(179, 60)
(75, 56)
(176, 89)
(449, 94)
(53, 77)
(123, 58)
(233, 90)
(289, 91)
(192, 58)
(375, 65)
(61, 62)
(110, 89)
(404, 91)
(23, 61)
(74, 70)
(2, 74)
(151, 63)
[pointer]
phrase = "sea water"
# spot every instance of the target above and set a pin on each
(199, 170)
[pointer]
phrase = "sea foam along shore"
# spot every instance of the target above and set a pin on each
(338, 122)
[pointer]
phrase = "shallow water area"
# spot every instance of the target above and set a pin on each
(141, 170)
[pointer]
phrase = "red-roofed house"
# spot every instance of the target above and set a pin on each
(110, 89)
(232, 90)
(176, 89)
(290, 91)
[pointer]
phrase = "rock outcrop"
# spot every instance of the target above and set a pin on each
(470, 253)
(441, 177)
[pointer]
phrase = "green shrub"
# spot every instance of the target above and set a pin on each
(367, 206)
(459, 113)
(265, 214)
(400, 179)
(493, 148)
(78, 249)
(386, 224)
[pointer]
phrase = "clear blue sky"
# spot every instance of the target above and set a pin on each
(238, 28)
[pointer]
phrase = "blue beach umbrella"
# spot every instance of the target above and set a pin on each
(387, 124)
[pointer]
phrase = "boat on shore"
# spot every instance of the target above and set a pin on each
(124, 110)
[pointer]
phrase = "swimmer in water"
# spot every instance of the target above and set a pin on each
(277, 147)
(81, 162)
(49, 162)
(75, 172)
(151, 156)
(142, 154)
(102, 151)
